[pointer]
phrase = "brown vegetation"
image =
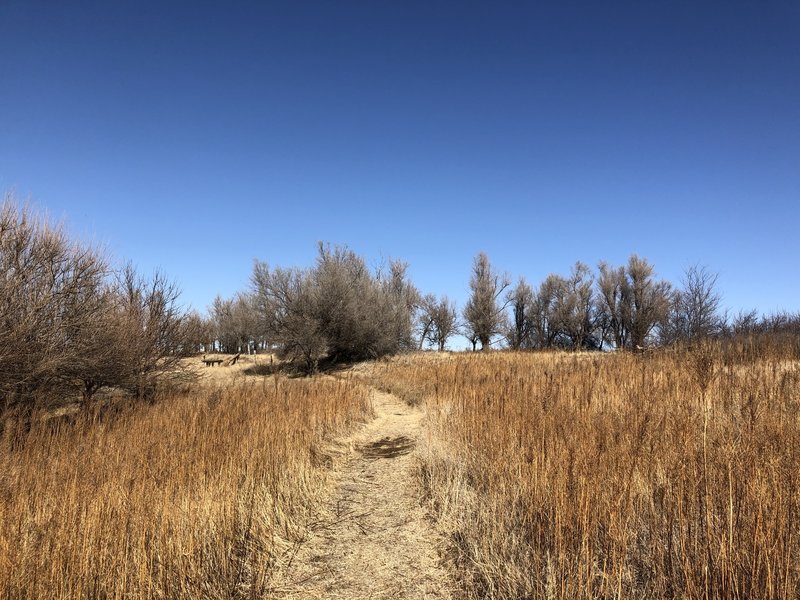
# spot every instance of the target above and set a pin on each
(205, 494)
(666, 475)
(70, 325)
(337, 311)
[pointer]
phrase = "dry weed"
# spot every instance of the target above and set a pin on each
(202, 495)
(668, 475)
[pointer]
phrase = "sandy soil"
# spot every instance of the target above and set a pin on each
(226, 372)
(377, 541)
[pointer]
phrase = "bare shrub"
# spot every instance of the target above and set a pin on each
(154, 337)
(70, 326)
(52, 298)
(336, 310)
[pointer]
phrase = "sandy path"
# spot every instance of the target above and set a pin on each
(377, 542)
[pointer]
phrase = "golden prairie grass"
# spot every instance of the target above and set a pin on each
(202, 495)
(672, 475)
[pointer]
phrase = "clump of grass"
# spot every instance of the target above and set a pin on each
(670, 475)
(202, 495)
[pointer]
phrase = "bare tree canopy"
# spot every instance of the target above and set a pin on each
(336, 310)
(695, 309)
(633, 301)
(155, 336)
(562, 313)
(614, 294)
(235, 322)
(648, 300)
(544, 324)
(484, 316)
(438, 320)
(521, 300)
(402, 301)
(200, 332)
(52, 296)
(574, 306)
(70, 325)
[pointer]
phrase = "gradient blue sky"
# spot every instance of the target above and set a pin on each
(198, 136)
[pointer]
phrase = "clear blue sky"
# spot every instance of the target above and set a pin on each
(198, 136)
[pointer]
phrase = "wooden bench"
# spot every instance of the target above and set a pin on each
(210, 362)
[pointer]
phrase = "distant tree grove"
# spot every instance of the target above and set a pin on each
(338, 310)
(71, 325)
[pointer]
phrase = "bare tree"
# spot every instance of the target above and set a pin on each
(563, 311)
(200, 332)
(351, 306)
(602, 323)
(445, 322)
(401, 300)
(440, 320)
(648, 300)
(574, 306)
(286, 300)
(236, 322)
(51, 295)
(151, 322)
(99, 357)
(425, 317)
(633, 301)
(66, 328)
(469, 333)
(696, 306)
(544, 321)
(483, 314)
(744, 322)
(614, 294)
(521, 300)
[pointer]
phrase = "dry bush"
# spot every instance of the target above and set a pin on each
(665, 475)
(335, 312)
(202, 495)
(51, 296)
(71, 326)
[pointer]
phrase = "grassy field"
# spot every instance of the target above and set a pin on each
(671, 475)
(204, 494)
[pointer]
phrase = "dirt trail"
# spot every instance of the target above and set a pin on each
(378, 542)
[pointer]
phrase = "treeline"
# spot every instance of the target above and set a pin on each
(615, 307)
(71, 325)
(339, 310)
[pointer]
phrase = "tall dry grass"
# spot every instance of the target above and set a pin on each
(202, 495)
(673, 475)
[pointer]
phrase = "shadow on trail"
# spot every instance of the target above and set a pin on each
(388, 447)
